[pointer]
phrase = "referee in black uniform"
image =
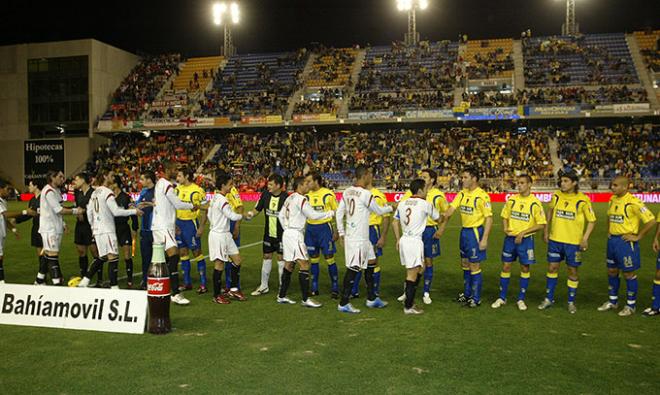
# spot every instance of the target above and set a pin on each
(125, 233)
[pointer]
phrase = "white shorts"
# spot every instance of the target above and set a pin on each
(411, 252)
(293, 246)
(51, 241)
(221, 246)
(165, 237)
(358, 253)
(107, 243)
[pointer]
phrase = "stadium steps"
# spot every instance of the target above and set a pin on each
(210, 155)
(355, 76)
(197, 65)
(295, 96)
(518, 65)
(553, 148)
(642, 70)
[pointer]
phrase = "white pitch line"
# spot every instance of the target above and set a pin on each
(205, 257)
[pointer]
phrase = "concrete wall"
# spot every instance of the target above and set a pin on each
(108, 66)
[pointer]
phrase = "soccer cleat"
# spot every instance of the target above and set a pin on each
(377, 303)
(626, 311)
(129, 285)
(84, 283)
(314, 293)
(401, 298)
(334, 295)
(237, 294)
(225, 291)
(221, 299)
(413, 310)
(202, 290)
(461, 298)
(180, 300)
(473, 304)
(427, 298)
(311, 303)
(185, 288)
(260, 291)
(650, 312)
(498, 303)
(74, 281)
(521, 305)
(285, 300)
(546, 304)
(348, 308)
(355, 295)
(608, 306)
(572, 308)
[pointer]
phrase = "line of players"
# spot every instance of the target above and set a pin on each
(299, 226)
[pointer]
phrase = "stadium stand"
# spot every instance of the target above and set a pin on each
(594, 59)
(580, 95)
(141, 86)
(196, 73)
(648, 46)
(258, 84)
(603, 152)
(489, 58)
(331, 67)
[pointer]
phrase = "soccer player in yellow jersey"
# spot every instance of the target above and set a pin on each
(477, 220)
(566, 238)
(320, 235)
(522, 217)
(234, 199)
(430, 237)
(189, 229)
(654, 310)
(624, 214)
(378, 226)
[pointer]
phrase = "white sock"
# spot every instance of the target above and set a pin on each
(266, 267)
(41, 276)
(280, 270)
(56, 281)
(84, 282)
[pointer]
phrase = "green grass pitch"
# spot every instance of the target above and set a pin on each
(261, 347)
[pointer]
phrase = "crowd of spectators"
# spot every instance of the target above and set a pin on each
(331, 67)
(489, 64)
(490, 99)
(428, 66)
(604, 152)
(131, 154)
(580, 95)
(324, 101)
(142, 85)
(401, 101)
(571, 60)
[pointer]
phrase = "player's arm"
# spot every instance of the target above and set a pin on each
(488, 223)
(312, 214)
(341, 212)
(548, 217)
(259, 207)
(176, 202)
(396, 229)
(281, 216)
(448, 213)
(231, 214)
(58, 208)
(377, 209)
(656, 239)
(591, 224)
(332, 205)
(238, 209)
(118, 211)
(384, 229)
(647, 218)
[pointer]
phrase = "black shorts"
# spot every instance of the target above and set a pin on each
(272, 245)
(83, 234)
(36, 240)
(124, 236)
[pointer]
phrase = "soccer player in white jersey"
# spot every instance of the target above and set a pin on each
(355, 206)
(293, 216)
(51, 224)
(412, 215)
(101, 212)
(222, 247)
(164, 224)
(4, 222)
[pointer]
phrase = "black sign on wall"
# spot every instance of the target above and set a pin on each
(40, 156)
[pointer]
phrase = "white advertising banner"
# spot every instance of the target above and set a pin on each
(106, 310)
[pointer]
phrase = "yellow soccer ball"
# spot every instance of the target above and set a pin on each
(74, 281)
